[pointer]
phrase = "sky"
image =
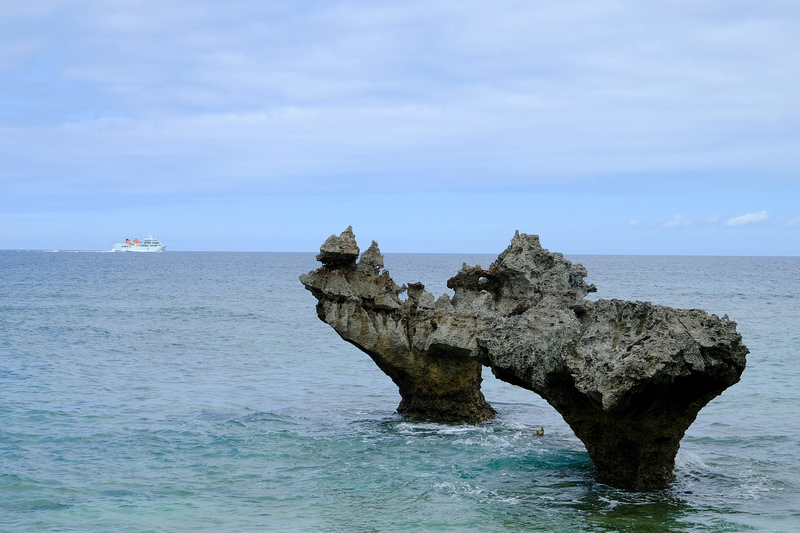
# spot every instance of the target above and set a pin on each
(604, 127)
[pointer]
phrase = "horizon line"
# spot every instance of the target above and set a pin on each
(45, 250)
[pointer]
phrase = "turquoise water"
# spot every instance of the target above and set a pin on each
(199, 391)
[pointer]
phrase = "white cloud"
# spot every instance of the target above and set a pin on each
(513, 94)
(679, 221)
(794, 222)
(748, 218)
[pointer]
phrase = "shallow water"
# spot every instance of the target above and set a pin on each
(177, 391)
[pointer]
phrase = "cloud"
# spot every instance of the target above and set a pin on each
(176, 97)
(749, 218)
(794, 222)
(679, 221)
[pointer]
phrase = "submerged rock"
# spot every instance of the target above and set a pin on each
(628, 377)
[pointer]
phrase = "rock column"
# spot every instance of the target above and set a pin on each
(628, 377)
(361, 302)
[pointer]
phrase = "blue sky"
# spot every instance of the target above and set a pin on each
(618, 127)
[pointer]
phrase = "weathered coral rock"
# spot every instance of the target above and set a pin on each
(628, 377)
(362, 304)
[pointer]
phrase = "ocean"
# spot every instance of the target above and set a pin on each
(200, 392)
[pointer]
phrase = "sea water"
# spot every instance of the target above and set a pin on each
(200, 392)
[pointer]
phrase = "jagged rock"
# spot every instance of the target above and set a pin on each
(628, 377)
(362, 304)
(341, 250)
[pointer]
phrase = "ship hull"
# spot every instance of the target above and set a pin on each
(142, 249)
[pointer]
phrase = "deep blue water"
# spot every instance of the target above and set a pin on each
(199, 391)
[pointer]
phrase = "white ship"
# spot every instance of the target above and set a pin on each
(150, 244)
